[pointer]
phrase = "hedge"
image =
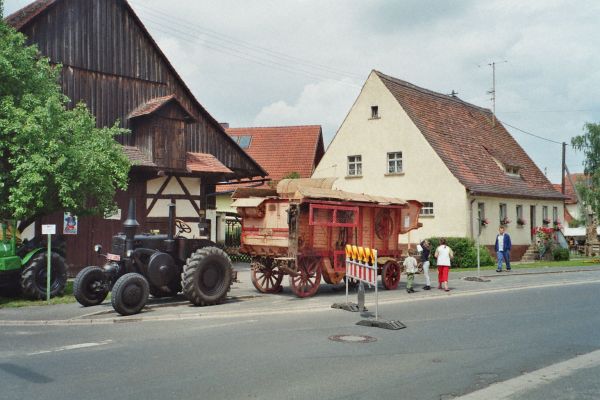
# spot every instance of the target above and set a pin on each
(465, 252)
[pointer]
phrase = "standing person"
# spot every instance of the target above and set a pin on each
(503, 246)
(443, 255)
(410, 266)
(426, 246)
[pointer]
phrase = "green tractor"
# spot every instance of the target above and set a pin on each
(23, 268)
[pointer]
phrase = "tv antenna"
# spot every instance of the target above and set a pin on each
(493, 90)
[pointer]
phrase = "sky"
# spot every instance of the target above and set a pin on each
(303, 62)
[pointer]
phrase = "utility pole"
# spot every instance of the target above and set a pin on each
(564, 167)
(493, 91)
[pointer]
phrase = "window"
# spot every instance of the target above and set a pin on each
(512, 170)
(554, 214)
(243, 141)
(519, 212)
(503, 214)
(354, 165)
(394, 161)
(427, 208)
(481, 216)
(545, 219)
(374, 112)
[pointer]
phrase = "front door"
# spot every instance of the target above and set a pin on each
(533, 222)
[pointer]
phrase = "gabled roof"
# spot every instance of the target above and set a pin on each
(156, 104)
(137, 157)
(283, 149)
(463, 136)
(20, 18)
(569, 189)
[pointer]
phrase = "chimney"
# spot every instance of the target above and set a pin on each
(224, 125)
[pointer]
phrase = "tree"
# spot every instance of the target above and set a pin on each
(589, 188)
(51, 157)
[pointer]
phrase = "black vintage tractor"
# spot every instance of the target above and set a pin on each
(160, 265)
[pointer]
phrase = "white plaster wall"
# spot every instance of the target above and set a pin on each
(184, 208)
(519, 235)
(224, 202)
(425, 176)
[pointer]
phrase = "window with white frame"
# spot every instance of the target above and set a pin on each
(519, 211)
(394, 162)
(554, 214)
(503, 213)
(354, 165)
(545, 214)
(427, 208)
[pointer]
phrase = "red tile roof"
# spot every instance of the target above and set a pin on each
(206, 163)
(463, 136)
(282, 150)
(155, 104)
(569, 190)
(137, 157)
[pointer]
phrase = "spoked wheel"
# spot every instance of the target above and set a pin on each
(90, 286)
(265, 277)
(390, 275)
(307, 282)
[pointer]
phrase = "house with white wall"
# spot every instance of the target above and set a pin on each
(401, 140)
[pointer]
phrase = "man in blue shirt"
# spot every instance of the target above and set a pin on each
(502, 248)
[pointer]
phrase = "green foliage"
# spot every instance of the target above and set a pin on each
(292, 175)
(560, 254)
(465, 252)
(52, 158)
(589, 144)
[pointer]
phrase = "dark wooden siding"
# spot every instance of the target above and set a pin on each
(113, 66)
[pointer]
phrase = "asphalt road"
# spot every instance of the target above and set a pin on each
(537, 341)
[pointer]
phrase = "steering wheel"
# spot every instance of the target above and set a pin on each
(182, 226)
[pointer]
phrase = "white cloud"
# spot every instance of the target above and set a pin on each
(325, 103)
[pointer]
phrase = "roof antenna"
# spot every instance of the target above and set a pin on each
(493, 90)
(453, 93)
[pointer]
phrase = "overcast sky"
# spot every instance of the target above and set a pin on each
(269, 63)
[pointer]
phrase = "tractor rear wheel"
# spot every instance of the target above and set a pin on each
(207, 276)
(33, 276)
(90, 287)
(390, 275)
(129, 294)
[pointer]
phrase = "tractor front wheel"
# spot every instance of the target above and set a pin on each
(130, 293)
(90, 287)
(34, 275)
(207, 276)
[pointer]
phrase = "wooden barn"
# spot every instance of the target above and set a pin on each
(178, 150)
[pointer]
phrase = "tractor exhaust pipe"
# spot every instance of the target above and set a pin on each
(130, 225)
(170, 243)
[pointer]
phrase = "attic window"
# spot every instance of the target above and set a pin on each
(374, 112)
(243, 140)
(512, 170)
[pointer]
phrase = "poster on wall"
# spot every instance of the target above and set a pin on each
(69, 224)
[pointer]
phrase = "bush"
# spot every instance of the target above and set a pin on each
(560, 254)
(465, 252)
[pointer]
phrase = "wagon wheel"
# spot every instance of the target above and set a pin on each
(307, 282)
(265, 277)
(390, 275)
(384, 224)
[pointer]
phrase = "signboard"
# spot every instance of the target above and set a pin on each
(69, 224)
(48, 229)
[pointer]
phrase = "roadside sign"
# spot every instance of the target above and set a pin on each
(48, 229)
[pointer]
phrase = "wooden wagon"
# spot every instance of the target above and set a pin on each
(301, 230)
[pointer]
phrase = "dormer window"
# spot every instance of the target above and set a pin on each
(374, 112)
(512, 170)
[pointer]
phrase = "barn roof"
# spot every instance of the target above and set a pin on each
(473, 148)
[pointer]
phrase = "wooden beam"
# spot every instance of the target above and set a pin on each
(155, 196)
(188, 194)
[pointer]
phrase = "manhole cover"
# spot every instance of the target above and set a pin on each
(352, 338)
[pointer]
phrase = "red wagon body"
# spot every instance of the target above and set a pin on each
(301, 230)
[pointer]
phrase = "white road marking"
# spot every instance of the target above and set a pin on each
(535, 379)
(71, 347)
